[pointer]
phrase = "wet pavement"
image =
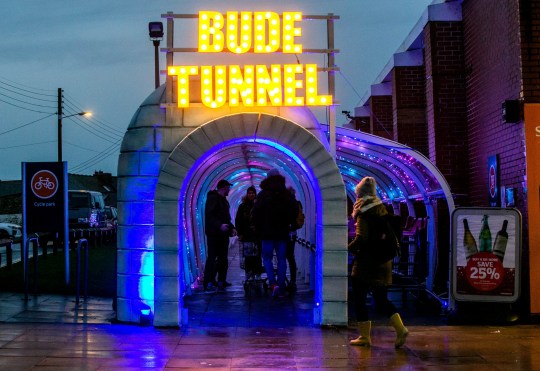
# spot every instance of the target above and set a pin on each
(229, 330)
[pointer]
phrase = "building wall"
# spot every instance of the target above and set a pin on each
(381, 116)
(529, 12)
(446, 105)
(409, 107)
(477, 54)
(492, 59)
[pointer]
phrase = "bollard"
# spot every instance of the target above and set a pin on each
(35, 242)
(83, 243)
(8, 243)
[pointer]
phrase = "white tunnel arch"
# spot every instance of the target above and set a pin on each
(209, 153)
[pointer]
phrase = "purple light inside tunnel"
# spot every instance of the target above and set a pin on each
(217, 163)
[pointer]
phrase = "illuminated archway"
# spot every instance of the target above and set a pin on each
(193, 168)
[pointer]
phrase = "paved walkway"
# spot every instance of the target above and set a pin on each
(231, 331)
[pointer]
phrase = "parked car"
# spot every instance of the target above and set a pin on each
(86, 209)
(112, 215)
(10, 230)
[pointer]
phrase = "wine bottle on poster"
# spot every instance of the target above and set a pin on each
(485, 236)
(469, 243)
(501, 240)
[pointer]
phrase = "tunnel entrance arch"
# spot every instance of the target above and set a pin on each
(183, 182)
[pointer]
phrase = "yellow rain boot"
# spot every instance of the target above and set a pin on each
(401, 330)
(364, 340)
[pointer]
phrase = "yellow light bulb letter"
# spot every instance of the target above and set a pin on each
(291, 84)
(241, 85)
(266, 26)
(290, 32)
(210, 97)
(239, 36)
(269, 85)
(182, 74)
(211, 39)
(312, 99)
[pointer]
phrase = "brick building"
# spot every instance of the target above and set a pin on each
(442, 94)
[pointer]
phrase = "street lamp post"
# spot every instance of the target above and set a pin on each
(61, 116)
(155, 30)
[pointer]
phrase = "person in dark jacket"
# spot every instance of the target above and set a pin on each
(367, 274)
(246, 231)
(291, 242)
(218, 228)
(273, 215)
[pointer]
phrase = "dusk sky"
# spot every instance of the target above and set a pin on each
(99, 53)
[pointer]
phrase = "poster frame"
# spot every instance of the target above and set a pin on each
(510, 214)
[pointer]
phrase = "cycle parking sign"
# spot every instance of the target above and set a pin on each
(44, 184)
(44, 196)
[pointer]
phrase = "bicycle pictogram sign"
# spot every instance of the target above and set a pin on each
(44, 184)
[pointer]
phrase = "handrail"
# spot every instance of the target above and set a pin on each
(83, 243)
(308, 245)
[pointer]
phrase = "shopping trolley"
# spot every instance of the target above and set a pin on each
(249, 252)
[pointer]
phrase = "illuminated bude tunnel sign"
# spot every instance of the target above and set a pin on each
(250, 85)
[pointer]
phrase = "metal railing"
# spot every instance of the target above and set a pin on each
(308, 245)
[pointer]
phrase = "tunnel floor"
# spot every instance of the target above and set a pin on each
(251, 307)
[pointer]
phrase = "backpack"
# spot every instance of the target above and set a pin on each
(300, 217)
(385, 233)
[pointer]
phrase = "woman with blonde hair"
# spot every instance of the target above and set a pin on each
(368, 274)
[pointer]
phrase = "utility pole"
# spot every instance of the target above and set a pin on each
(60, 113)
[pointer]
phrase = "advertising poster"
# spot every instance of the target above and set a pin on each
(486, 254)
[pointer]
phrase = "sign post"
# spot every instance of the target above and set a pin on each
(45, 202)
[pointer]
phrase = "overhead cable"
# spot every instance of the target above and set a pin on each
(30, 123)
(79, 168)
(29, 144)
(26, 90)
(110, 126)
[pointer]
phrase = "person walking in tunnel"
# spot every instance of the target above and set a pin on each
(218, 228)
(368, 273)
(273, 215)
(246, 231)
(291, 242)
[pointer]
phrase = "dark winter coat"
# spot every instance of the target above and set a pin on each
(242, 221)
(364, 267)
(275, 210)
(216, 213)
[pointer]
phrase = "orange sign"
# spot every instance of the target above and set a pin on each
(532, 142)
